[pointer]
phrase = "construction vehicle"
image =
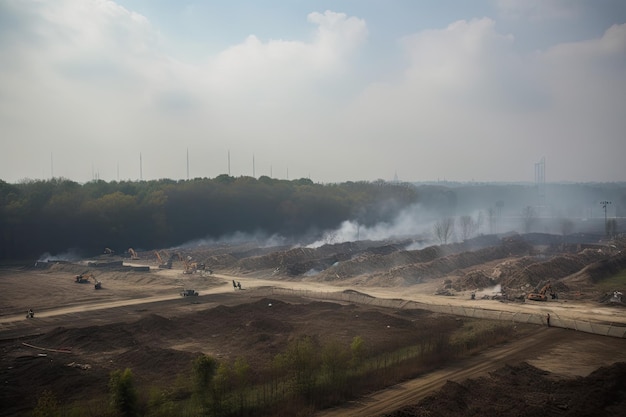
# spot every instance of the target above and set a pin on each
(109, 251)
(162, 264)
(86, 277)
(133, 254)
(190, 268)
(541, 295)
(189, 293)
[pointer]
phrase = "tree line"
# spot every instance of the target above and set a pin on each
(309, 375)
(58, 215)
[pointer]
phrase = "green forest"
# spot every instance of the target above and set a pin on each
(57, 215)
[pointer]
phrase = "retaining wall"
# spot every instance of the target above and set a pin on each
(518, 317)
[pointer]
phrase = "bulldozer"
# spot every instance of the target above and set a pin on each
(541, 294)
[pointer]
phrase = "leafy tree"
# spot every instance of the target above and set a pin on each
(300, 361)
(357, 350)
(123, 393)
(335, 362)
(47, 405)
(242, 381)
(222, 384)
(203, 369)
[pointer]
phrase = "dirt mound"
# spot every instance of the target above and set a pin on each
(92, 338)
(150, 361)
(306, 261)
(554, 268)
(596, 271)
(445, 265)
(70, 268)
(524, 390)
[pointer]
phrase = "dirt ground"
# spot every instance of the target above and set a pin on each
(139, 320)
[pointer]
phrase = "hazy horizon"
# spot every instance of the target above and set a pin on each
(359, 90)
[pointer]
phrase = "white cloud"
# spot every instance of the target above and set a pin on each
(470, 106)
(279, 66)
(86, 79)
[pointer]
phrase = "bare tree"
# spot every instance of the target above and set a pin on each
(480, 220)
(468, 227)
(499, 206)
(567, 226)
(491, 216)
(528, 218)
(444, 229)
(611, 227)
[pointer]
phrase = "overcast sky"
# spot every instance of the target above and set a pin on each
(334, 91)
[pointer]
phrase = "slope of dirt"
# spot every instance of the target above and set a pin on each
(89, 332)
(158, 348)
(524, 390)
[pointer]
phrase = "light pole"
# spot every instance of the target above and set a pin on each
(605, 203)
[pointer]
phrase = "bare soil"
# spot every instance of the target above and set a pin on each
(139, 320)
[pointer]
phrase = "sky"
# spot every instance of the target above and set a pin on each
(334, 91)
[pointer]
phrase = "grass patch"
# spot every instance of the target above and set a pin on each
(613, 283)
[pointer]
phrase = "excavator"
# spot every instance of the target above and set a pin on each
(86, 277)
(541, 295)
(162, 264)
(133, 254)
(189, 267)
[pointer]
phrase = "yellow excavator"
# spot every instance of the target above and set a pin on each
(133, 254)
(541, 295)
(86, 277)
(162, 264)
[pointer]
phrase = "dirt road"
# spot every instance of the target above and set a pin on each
(558, 309)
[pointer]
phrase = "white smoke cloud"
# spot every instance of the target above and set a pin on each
(412, 221)
(71, 255)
